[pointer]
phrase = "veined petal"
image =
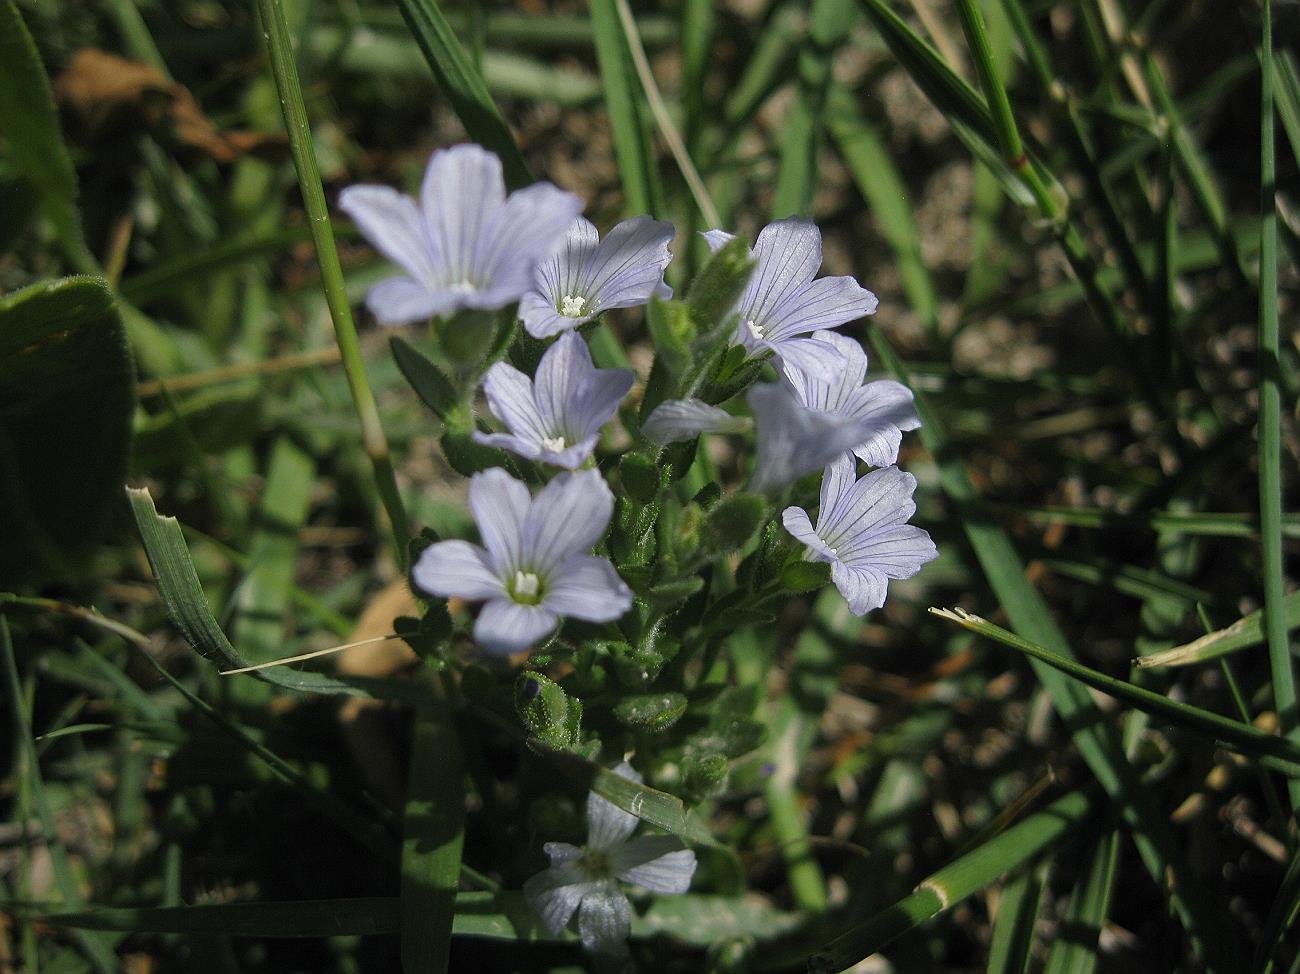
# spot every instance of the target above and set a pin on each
(863, 589)
(717, 239)
(787, 254)
(683, 419)
(403, 301)
(561, 273)
(554, 894)
(571, 457)
(826, 303)
(462, 196)
(599, 398)
(835, 396)
(879, 499)
(605, 919)
(518, 445)
(531, 228)
(510, 397)
(394, 226)
(500, 505)
(505, 626)
(655, 862)
(792, 439)
(898, 551)
(587, 587)
(540, 318)
(566, 518)
(819, 360)
(456, 568)
(881, 448)
(560, 852)
(628, 266)
(563, 371)
(607, 824)
(797, 523)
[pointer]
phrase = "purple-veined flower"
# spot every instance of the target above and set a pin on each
(534, 566)
(589, 275)
(862, 531)
(557, 417)
(674, 420)
(886, 406)
(465, 244)
(585, 880)
(782, 304)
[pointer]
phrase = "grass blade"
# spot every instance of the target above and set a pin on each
(1231, 733)
(284, 68)
(1245, 632)
(956, 881)
(1270, 416)
(434, 835)
(1013, 928)
(464, 86)
(1076, 952)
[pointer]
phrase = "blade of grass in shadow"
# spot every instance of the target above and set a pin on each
(1286, 89)
(880, 183)
(464, 86)
(1096, 738)
(97, 949)
(631, 129)
(434, 827)
(1075, 950)
(961, 878)
(1013, 927)
(1210, 524)
(1270, 417)
(283, 67)
(1239, 737)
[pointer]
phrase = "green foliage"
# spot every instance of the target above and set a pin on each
(66, 394)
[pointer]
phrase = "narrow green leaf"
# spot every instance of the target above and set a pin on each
(1245, 632)
(627, 116)
(953, 883)
(434, 835)
(1013, 927)
(430, 384)
(464, 86)
(1078, 953)
(1233, 734)
(188, 608)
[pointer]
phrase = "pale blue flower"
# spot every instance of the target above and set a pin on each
(674, 420)
(589, 275)
(585, 880)
(465, 244)
(862, 532)
(557, 418)
(794, 440)
(884, 405)
(534, 565)
(782, 304)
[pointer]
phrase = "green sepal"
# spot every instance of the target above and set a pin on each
(467, 335)
(732, 522)
(550, 714)
(430, 384)
(467, 457)
(641, 478)
(668, 594)
(719, 285)
(653, 712)
(673, 331)
(805, 576)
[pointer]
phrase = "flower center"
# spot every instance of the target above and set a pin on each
(755, 329)
(526, 588)
(595, 863)
(834, 551)
(553, 443)
(571, 305)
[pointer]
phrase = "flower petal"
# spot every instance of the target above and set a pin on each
(863, 588)
(792, 439)
(540, 318)
(505, 626)
(510, 397)
(827, 303)
(880, 499)
(517, 445)
(717, 239)
(896, 552)
(815, 392)
(605, 919)
(394, 226)
(561, 374)
(456, 568)
(531, 227)
(560, 852)
(655, 862)
(402, 301)
(683, 419)
(587, 587)
(566, 518)
(560, 274)
(797, 523)
(821, 361)
(787, 254)
(554, 894)
(628, 266)
(500, 505)
(462, 196)
(607, 824)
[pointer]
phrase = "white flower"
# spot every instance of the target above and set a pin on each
(585, 880)
(862, 531)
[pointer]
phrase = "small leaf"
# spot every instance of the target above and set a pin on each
(640, 478)
(718, 286)
(467, 457)
(733, 521)
(652, 712)
(805, 576)
(550, 714)
(428, 381)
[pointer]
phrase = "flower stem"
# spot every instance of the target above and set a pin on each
(276, 32)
